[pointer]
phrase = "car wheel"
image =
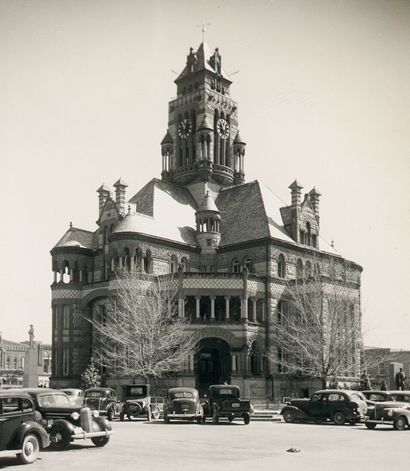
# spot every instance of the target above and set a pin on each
(100, 441)
(230, 418)
(370, 425)
(167, 420)
(203, 419)
(215, 418)
(199, 420)
(29, 449)
(289, 416)
(60, 438)
(129, 417)
(400, 423)
(246, 419)
(110, 414)
(122, 416)
(339, 418)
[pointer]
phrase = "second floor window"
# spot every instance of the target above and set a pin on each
(281, 266)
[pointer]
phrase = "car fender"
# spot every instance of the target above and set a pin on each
(298, 413)
(400, 412)
(101, 423)
(64, 423)
(37, 429)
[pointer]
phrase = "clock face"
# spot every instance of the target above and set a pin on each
(223, 129)
(184, 128)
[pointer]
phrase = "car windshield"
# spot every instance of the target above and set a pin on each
(136, 391)
(225, 392)
(53, 400)
(183, 394)
(94, 394)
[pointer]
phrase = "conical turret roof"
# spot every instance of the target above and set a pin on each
(167, 139)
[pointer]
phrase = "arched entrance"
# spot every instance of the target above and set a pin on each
(212, 363)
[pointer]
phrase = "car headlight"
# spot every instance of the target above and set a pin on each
(390, 413)
(75, 415)
(95, 413)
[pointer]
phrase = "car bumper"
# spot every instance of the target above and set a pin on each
(183, 416)
(379, 421)
(79, 434)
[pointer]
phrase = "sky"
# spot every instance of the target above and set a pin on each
(323, 96)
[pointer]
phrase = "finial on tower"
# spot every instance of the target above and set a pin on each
(203, 29)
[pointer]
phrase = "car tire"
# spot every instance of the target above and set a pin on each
(122, 416)
(60, 438)
(167, 420)
(230, 418)
(370, 425)
(400, 423)
(289, 416)
(100, 441)
(204, 419)
(246, 419)
(30, 449)
(339, 418)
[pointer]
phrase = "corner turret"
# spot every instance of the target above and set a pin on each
(208, 219)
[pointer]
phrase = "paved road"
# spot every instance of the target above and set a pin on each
(259, 446)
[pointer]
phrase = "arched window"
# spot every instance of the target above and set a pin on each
(308, 234)
(308, 270)
(184, 264)
(236, 266)
(281, 266)
(248, 264)
(282, 311)
(148, 262)
(299, 269)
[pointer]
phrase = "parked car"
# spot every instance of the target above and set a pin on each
(337, 405)
(76, 396)
(136, 402)
(392, 412)
(21, 434)
(183, 404)
(66, 422)
(104, 400)
(223, 400)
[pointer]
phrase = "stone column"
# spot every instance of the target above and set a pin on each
(212, 298)
(227, 299)
(181, 306)
(71, 275)
(198, 307)
(62, 275)
(80, 275)
(55, 276)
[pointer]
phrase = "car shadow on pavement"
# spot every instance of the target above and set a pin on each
(73, 447)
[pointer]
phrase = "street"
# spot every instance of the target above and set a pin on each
(258, 446)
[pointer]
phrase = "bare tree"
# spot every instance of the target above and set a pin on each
(140, 333)
(317, 332)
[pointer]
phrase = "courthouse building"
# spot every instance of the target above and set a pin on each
(232, 245)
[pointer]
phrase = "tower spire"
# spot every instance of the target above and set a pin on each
(203, 29)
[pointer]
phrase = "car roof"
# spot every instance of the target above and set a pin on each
(337, 391)
(222, 386)
(399, 392)
(14, 393)
(70, 389)
(100, 389)
(372, 391)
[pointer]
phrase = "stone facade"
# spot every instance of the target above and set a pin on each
(231, 245)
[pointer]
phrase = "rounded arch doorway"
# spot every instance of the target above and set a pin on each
(212, 363)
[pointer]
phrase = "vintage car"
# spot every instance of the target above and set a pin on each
(183, 404)
(76, 396)
(336, 405)
(392, 412)
(66, 422)
(136, 402)
(223, 400)
(104, 400)
(21, 434)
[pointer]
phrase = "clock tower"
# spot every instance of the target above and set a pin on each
(202, 143)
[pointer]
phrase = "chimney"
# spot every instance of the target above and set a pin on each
(120, 187)
(314, 196)
(296, 193)
(103, 196)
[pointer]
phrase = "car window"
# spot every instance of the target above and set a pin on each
(335, 397)
(377, 397)
(358, 395)
(316, 397)
(93, 394)
(184, 394)
(53, 400)
(401, 397)
(26, 405)
(10, 405)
